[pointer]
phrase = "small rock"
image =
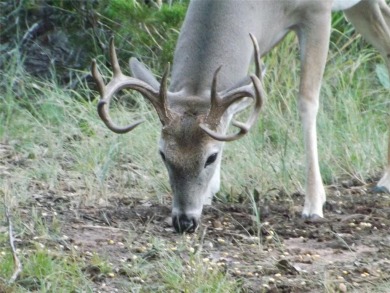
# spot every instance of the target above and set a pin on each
(168, 221)
(342, 287)
(217, 224)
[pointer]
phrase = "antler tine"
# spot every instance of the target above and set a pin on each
(214, 94)
(215, 101)
(164, 91)
(218, 107)
(256, 56)
(244, 127)
(114, 59)
(259, 99)
(121, 81)
(97, 77)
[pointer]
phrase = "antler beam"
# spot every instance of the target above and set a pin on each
(119, 82)
(219, 104)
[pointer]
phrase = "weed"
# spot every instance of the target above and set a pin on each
(52, 144)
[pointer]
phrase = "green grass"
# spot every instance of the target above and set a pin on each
(44, 271)
(55, 142)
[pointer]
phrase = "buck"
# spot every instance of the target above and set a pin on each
(210, 84)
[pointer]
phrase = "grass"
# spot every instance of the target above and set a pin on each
(54, 143)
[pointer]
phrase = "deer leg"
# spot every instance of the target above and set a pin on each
(372, 20)
(384, 184)
(314, 41)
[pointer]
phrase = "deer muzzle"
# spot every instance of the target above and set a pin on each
(185, 223)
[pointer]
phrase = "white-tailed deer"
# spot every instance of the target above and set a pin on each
(199, 104)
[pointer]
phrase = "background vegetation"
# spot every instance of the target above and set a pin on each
(52, 142)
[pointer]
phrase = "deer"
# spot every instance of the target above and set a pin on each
(209, 84)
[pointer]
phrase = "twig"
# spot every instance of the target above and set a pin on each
(17, 263)
(201, 242)
(31, 32)
(102, 227)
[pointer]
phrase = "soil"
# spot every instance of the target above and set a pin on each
(348, 251)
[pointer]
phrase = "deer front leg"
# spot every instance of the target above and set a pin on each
(314, 40)
(384, 183)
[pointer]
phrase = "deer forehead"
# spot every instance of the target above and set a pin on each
(185, 145)
(184, 134)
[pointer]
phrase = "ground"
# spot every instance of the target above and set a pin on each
(348, 251)
(126, 242)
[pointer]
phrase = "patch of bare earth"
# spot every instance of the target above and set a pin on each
(277, 251)
(349, 251)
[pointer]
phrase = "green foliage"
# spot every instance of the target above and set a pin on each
(196, 277)
(54, 139)
(149, 33)
(6, 260)
(173, 15)
(70, 33)
(47, 273)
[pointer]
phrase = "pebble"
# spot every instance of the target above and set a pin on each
(221, 240)
(208, 244)
(342, 287)
(365, 225)
(140, 249)
(217, 224)
(266, 286)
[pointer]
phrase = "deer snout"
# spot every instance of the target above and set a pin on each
(184, 223)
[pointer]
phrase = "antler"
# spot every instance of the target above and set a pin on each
(120, 81)
(219, 104)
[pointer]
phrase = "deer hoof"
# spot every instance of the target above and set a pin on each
(313, 217)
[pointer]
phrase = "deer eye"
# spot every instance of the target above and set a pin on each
(162, 156)
(211, 159)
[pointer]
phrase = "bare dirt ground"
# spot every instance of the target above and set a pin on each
(349, 251)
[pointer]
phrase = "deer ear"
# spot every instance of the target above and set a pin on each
(140, 71)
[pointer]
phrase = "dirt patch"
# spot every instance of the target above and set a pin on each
(263, 247)
(275, 252)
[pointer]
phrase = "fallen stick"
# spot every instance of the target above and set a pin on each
(17, 263)
(100, 227)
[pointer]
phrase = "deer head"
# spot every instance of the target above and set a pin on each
(193, 130)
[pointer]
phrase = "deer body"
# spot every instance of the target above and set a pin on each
(202, 98)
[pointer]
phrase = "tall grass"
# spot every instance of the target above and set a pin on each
(57, 133)
(52, 142)
(352, 124)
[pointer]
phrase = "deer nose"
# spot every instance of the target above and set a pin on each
(184, 223)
